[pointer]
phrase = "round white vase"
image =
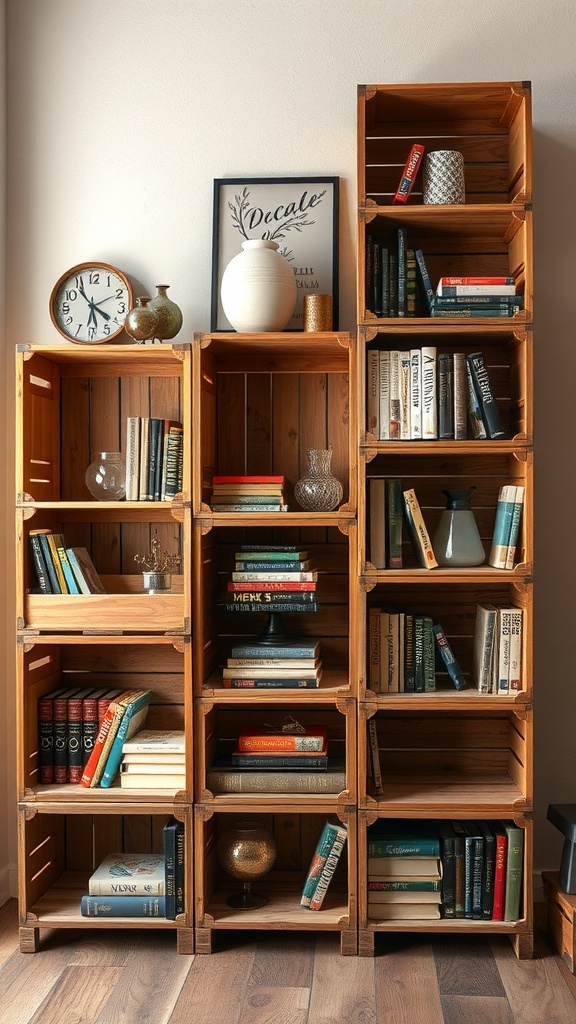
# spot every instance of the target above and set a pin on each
(258, 289)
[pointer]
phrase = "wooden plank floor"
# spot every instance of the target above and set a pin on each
(131, 977)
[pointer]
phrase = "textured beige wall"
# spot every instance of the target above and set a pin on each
(122, 112)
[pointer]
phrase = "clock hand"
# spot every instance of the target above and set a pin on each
(92, 317)
(94, 306)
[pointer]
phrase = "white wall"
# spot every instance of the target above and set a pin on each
(122, 112)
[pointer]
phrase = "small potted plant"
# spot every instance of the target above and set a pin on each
(158, 566)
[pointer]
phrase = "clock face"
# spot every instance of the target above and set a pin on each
(90, 302)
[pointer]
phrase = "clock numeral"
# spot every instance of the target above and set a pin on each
(94, 277)
(78, 329)
(119, 293)
(68, 321)
(121, 308)
(65, 308)
(91, 332)
(106, 330)
(71, 295)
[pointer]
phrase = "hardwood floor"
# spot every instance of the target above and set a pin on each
(136, 977)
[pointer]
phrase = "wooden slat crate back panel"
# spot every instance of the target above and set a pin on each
(39, 474)
(43, 841)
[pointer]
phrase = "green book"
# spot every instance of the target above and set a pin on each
(514, 866)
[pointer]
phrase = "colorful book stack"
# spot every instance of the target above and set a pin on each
(402, 650)
(124, 716)
(140, 884)
(154, 759)
(323, 865)
(271, 578)
(272, 667)
(62, 570)
(68, 721)
(422, 394)
(404, 871)
(283, 761)
(497, 653)
(154, 458)
(475, 296)
(243, 493)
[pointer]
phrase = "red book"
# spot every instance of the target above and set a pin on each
(74, 735)
(409, 173)
(91, 766)
(312, 740)
(46, 736)
(476, 280)
(499, 875)
(271, 585)
(90, 719)
(104, 703)
(247, 479)
(61, 736)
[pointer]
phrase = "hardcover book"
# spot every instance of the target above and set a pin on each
(223, 780)
(418, 532)
(173, 843)
(403, 911)
(389, 838)
(148, 741)
(400, 866)
(131, 721)
(330, 845)
(447, 655)
(313, 740)
(411, 167)
(129, 874)
(485, 394)
(123, 906)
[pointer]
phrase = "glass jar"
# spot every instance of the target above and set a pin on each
(318, 490)
(106, 476)
(457, 540)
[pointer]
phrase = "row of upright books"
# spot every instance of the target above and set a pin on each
(407, 651)
(449, 869)
(140, 884)
(154, 458)
(249, 493)
(398, 284)
(60, 569)
(68, 722)
(271, 578)
(422, 395)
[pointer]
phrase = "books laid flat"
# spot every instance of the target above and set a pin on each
(129, 874)
(235, 780)
(313, 739)
(123, 906)
(148, 741)
(145, 780)
(403, 911)
(430, 867)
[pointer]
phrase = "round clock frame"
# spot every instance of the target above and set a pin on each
(85, 288)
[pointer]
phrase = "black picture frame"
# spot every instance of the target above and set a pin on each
(279, 208)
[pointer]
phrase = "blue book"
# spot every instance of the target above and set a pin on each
(132, 720)
(515, 526)
(73, 587)
(123, 906)
(424, 277)
(52, 575)
(502, 526)
(302, 649)
(447, 655)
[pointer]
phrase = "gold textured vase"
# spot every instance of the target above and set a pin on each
(247, 851)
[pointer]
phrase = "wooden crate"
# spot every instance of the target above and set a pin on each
(561, 920)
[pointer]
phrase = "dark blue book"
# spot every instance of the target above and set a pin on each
(485, 395)
(123, 906)
(173, 840)
(448, 659)
(398, 838)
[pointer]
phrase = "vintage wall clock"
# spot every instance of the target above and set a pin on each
(90, 302)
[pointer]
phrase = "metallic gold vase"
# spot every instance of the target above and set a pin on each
(247, 851)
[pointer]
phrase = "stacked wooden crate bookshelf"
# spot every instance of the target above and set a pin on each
(447, 754)
(263, 400)
(72, 401)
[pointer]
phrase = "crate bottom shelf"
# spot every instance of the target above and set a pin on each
(59, 907)
(283, 910)
(448, 794)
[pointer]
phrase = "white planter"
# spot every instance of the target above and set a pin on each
(258, 289)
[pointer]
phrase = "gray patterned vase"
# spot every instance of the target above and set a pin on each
(169, 314)
(443, 177)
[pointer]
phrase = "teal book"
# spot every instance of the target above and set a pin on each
(264, 555)
(447, 655)
(502, 526)
(123, 906)
(132, 720)
(391, 838)
(515, 527)
(323, 850)
(73, 587)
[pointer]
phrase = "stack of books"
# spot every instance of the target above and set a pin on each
(62, 570)
(154, 458)
(68, 722)
(402, 650)
(243, 493)
(323, 865)
(154, 759)
(271, 578)
(140, 884)
(506, 526)
(124, 716)
(420, 394)
(475, 296)
(260, 666)
(404, 871)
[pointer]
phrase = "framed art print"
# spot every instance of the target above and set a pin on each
(300, 214)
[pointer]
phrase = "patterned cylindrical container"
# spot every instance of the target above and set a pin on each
(317, 312)
(443, 177)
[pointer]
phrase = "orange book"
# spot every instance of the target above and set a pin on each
(92, 773)
(311, 740)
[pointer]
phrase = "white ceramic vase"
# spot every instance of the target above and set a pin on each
(258, 289)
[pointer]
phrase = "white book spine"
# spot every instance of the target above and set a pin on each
(132, 457)
(415, 394)
(372, 392)
(404, 359)
(504, 621)
(460, 397)
(384, 404)
(394, 396)
(144, 456)
(484, 643)
(429, 397)
(515, 674)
